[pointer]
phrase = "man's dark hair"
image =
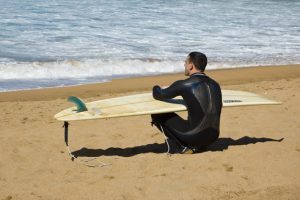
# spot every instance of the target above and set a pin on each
(199, 60)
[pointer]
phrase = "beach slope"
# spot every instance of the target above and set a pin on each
(256, 157)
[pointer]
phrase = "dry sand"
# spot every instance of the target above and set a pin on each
(245, 163)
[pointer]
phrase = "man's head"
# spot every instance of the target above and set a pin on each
(195, 62)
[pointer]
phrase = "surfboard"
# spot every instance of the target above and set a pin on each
(144, 104)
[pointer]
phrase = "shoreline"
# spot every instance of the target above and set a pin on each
(229, 76)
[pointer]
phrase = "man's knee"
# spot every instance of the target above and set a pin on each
(162, 117)
(154, 117)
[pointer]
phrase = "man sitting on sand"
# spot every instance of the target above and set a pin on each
(203, 98)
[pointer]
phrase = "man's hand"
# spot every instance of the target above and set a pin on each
(156, 92)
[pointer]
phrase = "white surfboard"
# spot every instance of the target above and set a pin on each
(143, 104)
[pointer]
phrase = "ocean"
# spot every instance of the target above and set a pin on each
(59, 43)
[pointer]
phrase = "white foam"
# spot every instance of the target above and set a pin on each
(84, 69)
(31, 75)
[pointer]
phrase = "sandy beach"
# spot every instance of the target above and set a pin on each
(256, 157)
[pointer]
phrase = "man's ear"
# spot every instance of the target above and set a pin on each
(191, 66)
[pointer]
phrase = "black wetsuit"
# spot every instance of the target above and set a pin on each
(203, 98)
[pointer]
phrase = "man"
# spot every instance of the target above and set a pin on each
(203, 99)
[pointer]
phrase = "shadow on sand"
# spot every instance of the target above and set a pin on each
(220, 145)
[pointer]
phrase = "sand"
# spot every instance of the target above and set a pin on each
(256, 157)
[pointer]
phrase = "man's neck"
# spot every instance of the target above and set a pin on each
(197, 72)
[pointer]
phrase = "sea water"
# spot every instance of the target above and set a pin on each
(62, 42)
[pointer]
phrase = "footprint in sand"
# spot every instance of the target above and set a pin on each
(24, 120)
(8, 198)
(228, 168)
(109, 177)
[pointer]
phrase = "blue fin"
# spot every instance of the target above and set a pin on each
(81, 107)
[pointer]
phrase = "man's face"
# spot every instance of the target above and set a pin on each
(187, 66)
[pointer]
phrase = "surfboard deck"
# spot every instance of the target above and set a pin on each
(144, 104)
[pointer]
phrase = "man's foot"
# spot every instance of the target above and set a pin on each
(172, 146)
(187, 150)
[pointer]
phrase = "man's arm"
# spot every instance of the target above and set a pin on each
(167, 93)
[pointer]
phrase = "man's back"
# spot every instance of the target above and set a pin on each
(203, 98)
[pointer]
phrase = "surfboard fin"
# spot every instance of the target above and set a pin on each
(81, 107)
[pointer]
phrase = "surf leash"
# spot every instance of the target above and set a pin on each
(86, 162)
(166, 139)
